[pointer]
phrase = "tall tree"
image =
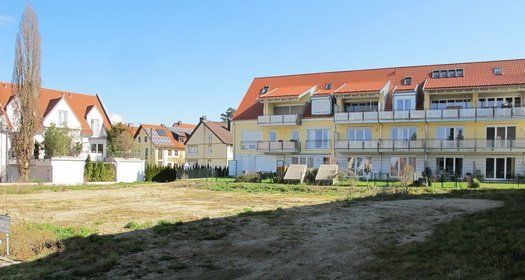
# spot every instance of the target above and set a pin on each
(26, 88)
(228, 115)
(120, 141)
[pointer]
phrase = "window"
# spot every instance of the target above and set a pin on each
(62, 117)
(295, 135)
(404, 133)
(318, 139)
(328, 86)
(273, 136)
(400, 165)
(192, 150)
(265, 89)
(175, 153)
(450, 103)
(449, 166)
(210, 151)
(249, 139)
(309, 161)
(288, 110)
(407, 81)
(169, 153)
(447, 73)
(450, 133)
(500, 102)
(358, 166)
(500, 168)
(403, 104)
(146, 153)
(145, 138)
(369, 106)
(160, 154)
(359, 134)
(97, 148)
(210, 138)
(497, 71)
(95, 127)
(139, 139)
(500, 136)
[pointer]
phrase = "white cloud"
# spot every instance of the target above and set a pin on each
(5, 19)
(116, 118)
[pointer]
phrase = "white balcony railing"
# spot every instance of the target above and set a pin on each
(282, 146)
(432, 115)
(275, 120)
(432, 145)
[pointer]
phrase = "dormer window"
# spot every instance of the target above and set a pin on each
(447, 73)
(328, 86)
(407, 81)
(497, 71)
(265, 89)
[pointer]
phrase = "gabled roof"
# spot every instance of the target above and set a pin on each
(219, 129)
(79, 103)
(160, 136)
(475, 74)
(180, 128)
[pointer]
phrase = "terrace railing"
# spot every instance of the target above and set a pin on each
(281, 146)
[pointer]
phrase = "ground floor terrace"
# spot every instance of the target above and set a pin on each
(447, 165)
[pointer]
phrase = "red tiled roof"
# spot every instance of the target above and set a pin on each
(174, 143)
(221, 131)
(294, 91)
(475, 74)
(184, 125)
(356, 87)
(79, 103)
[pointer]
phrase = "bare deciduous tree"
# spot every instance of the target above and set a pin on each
(26, 88)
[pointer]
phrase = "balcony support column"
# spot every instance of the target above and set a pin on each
(340, 104)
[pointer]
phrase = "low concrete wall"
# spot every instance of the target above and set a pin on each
(129, 170)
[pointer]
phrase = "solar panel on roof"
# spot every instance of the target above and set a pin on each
(161, 132)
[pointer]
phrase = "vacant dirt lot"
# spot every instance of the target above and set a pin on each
(311, 237)
(108, 210)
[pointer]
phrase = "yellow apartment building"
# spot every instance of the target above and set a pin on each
(450, 119)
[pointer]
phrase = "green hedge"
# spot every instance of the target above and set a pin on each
(99, 171)
(156, 173)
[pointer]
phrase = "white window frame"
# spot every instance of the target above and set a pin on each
(399, 168)
(62, 117)
(495, 167)
(316, 143)
(358, 165)
(454, 166)
(359, 134)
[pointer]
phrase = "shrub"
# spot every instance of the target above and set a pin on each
(249, 178)
(161, 174)
(474, 183)
(99, 171)
(309, 178)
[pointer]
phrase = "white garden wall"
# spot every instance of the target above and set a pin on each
(59, 171)
(129, 170)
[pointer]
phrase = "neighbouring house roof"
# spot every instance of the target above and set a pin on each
(220, 130)
(475, 74)
(360, 87)
(182, 129)
(161, 136)
(80, 104)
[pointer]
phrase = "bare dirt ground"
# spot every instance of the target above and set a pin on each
(312, 237)
(323, 241)
(109, 210)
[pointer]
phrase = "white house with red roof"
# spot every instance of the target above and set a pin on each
(84, 114)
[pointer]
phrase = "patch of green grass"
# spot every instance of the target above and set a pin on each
(25, 189)
(484, 245)
(137, 226)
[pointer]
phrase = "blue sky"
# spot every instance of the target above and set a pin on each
(163, 61)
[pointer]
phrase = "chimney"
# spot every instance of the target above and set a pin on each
(202, 119)
(179, 123)
(130, 124)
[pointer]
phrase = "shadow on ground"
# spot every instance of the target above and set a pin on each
(334, 240)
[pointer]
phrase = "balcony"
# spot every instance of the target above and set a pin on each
(279, 120)
(431, 145)
(278, 147)
(433, 115)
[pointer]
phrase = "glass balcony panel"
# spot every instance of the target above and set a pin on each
(355, 117)
(341, 117)
(485, 112)
(401, 115)
(370, 116)
(417, 114)
(386, 115)
(450, 113)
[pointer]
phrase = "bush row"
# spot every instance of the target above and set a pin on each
(99, 171)
(161, 174)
